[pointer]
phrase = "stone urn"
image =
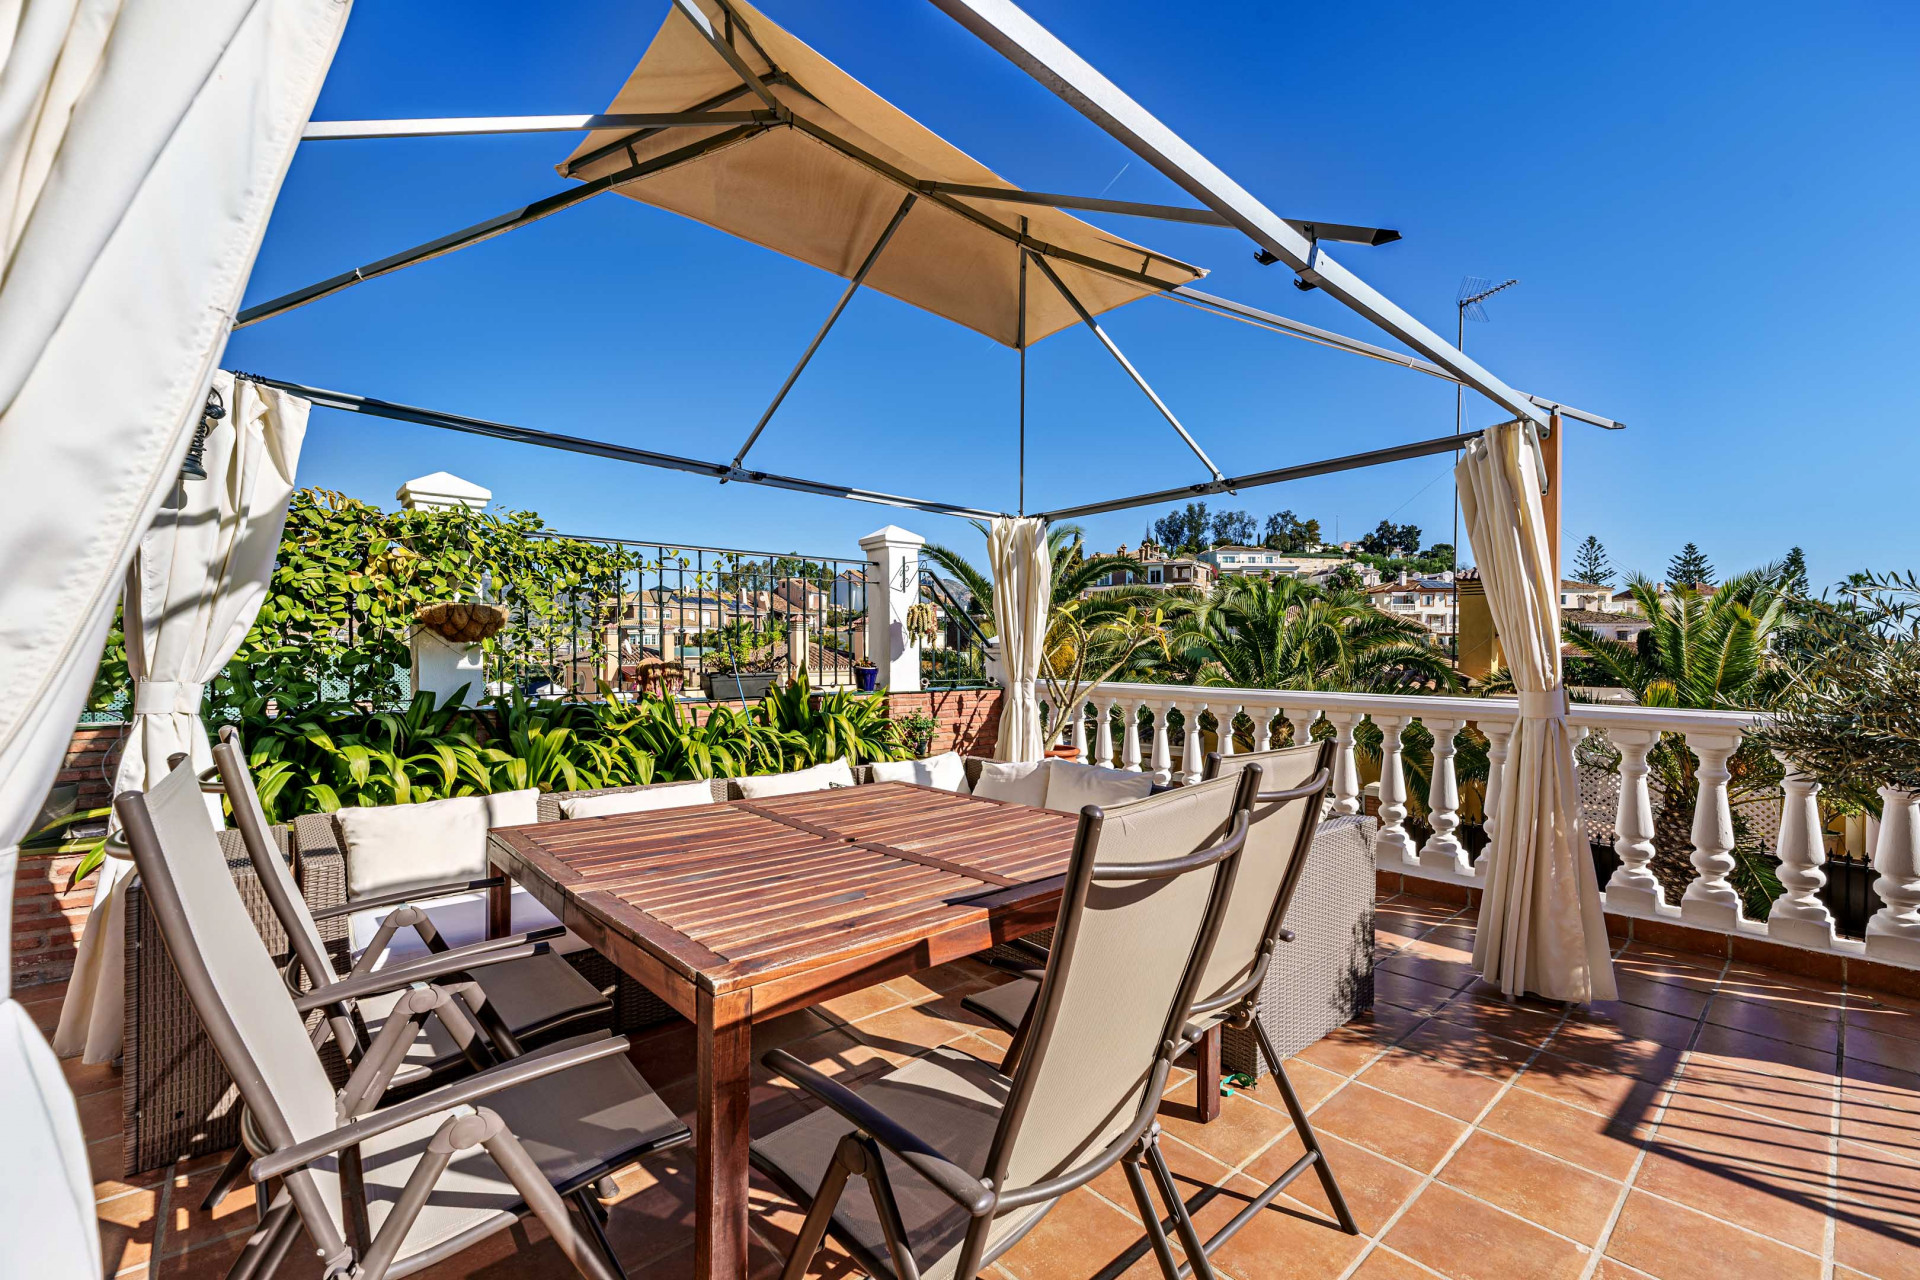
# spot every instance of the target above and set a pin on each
(461, 621)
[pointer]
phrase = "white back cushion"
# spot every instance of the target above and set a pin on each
(400, 845)
(1071, 787)
(946, 772)
(675, 796)
(1023, 782)
(818, 778)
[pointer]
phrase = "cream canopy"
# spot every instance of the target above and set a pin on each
(818, 189)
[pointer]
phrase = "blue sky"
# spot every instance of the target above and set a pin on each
(1709, 207)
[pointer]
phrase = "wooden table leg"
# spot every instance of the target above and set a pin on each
(1206, 1075)
(500, 907)
(725, 1052)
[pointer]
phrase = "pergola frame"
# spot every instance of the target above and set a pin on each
(1006, 28)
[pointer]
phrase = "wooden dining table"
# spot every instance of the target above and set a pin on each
(737, 913)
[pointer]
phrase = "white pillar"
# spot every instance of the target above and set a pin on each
(1103, 735)
(893, 585)
(441, 667)
(1301, 722)
(1192, 756)
(1499, 734)
(1077, 726)
(1346, 771)
(1443, 850)
(1225, 732)
(1633, 888)
(1798, 915)
(1711, 900)
(1894, 932)
(1161, 765)
(1392, 844)
(1130, 736)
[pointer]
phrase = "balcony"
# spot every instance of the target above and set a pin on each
(1719, 1119)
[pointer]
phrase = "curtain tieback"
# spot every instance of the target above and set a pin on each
(166, 697)
(1548, 705)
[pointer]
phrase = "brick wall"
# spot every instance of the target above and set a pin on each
(46, 920)
(969, 718)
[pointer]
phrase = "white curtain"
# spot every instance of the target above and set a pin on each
(141, 147)
(199, 577)
(1022, 591)
(1541, 928)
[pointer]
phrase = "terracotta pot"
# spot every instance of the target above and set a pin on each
(1063, 753)
(462, 622)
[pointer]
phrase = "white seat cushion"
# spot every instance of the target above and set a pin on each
(947, 772)
(678, 795)
(1023, 782)
(1071, 787)
(818, 778)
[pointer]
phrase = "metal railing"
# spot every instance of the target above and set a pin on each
(956, 655)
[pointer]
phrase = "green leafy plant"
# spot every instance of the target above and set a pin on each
(843, 725)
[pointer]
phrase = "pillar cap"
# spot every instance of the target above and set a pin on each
(442, 490)
(891, 536)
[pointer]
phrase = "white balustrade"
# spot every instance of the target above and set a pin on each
(1633, 887)
(1392, 844)
(1711, 899)
(1443, 850)
(1894, 932)
(1798, 915)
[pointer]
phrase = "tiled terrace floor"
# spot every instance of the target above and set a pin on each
(1718, 1121)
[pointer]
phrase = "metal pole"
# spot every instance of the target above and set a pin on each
(1345, 233)
(691, 12)
(1028, 45)
(487, 230)
(483, 126)
(1021, 330)
(853, 287)
(1086, 318)
(1459, 424)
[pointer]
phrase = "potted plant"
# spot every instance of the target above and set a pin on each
(736, 685)
(1080, 643)
(866, 675)
(916, 730)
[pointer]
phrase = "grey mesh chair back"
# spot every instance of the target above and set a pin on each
(1128, 953)
(1285, 815)
(276, 878)
(233, 983)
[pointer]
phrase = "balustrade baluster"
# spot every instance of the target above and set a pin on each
(1443, 850)
(1192, 757)
(1301, 721)
(1391, 843)
(1103, 736)
(1633, 887)
(1346, 770)
(1078, 739)
(1225, 733)
(1130, 740)
(1161, 765)
(1798, 915)
(1268, 723)
(1894, 932)
(1499, 735)
(1711, 900)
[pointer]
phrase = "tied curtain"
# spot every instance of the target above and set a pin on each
(1541, 928)
(141, 148)
(1022, 591)
(194, 588)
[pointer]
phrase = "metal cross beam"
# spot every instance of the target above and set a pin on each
(480, 126)
(853, 287)
(1341, 342)
(1351, 462)
(691, 12)
(1340, 231)
(1031, 47)
(1086, 318)
(487, 230)
(605, 449)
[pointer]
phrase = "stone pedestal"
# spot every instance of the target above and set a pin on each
(893, 585)
(441, 668)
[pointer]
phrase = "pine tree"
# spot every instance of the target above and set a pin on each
(1590, 563)
(1690, 568)
(1793, 573)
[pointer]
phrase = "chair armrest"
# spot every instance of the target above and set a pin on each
(437, 965)
(533, 1066)
(401, 897)
(963, 1188)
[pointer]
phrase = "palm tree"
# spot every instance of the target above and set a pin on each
(1712, 648)
(1073, 572)
(1285, 633)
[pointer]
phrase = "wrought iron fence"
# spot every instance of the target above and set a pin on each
(675, 618)
(953, 645)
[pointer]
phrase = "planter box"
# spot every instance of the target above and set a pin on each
(721, 686)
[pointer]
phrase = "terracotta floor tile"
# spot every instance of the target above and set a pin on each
(1884, 1013)
(1624, 1021)
(1678, 968)
(1680, 1000)
(1310, 1083)
(1750, 981)
(1442, 1086)
(1541, 1189)
(1801, 1104)
(1614, 1269)
(1467, 1240)
(1626, 1098)
(1348, 1048)
(856, 1005)
(1082, 1236)
(1284, 1242)
(1673, 1242)
(1576, 1136)
(911, 1028)
(1243, 1127)
(1772, 1057)
(1374, 1187)
(1783, 1203)
(1408, 992)
(1384, 1264)
(1194, 1170)
(1898, 1052)
(1472, 1048)
(1381, 1122)
(1878, 1227)
(1778, 1021)
(1451, 974)
(1880, 1107)
(1704, 1124)
(1510, 1020)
